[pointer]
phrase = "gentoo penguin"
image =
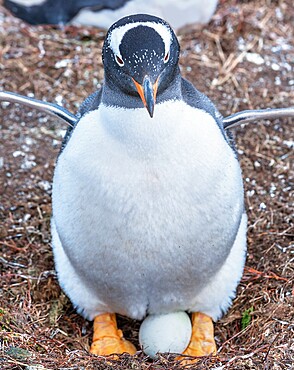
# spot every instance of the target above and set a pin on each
(148, 211)
(102, 13)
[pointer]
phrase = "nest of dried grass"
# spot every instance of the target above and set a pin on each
(242, 59)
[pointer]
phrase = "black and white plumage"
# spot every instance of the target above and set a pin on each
(148, 213)
(56, 11)
(102, 13)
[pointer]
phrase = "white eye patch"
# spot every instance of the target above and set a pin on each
(116, 35)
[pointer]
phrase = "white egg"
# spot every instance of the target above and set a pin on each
(165, 333)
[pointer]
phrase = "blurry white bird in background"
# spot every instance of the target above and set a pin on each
(102, 13)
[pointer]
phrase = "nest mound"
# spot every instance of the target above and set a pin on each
(243, 59)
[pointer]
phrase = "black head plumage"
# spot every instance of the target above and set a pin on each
(140, 56)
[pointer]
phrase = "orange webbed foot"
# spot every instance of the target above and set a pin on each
(108, 339)
(202, 341)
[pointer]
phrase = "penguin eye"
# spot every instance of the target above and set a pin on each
(119, 61)
(166, 58)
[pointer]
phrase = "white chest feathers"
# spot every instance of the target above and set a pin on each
(138, 170)
(141, 197)
(178, 156)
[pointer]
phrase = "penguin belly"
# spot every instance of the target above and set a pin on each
(145, 211)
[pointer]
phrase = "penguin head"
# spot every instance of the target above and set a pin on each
(140, 57)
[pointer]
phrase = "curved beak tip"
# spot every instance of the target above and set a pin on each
(150, 113)
(147, 92)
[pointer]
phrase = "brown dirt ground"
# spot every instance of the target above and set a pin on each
(38, 323)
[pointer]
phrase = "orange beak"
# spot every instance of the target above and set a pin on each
(147, 93)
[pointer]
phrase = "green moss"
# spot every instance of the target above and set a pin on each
(246, 318)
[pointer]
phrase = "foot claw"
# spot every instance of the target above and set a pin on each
(109, 346)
